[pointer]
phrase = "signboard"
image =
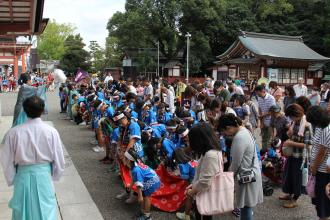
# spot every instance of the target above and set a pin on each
(232, 73)
(272, 74)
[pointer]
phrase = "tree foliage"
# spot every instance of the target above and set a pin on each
(214, 24)
(74, 56)
(51, 43)
(97, 54)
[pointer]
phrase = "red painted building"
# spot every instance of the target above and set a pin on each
(279, 58)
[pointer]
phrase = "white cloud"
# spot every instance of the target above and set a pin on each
(89, 16)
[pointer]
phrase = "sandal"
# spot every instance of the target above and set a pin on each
(285, 197)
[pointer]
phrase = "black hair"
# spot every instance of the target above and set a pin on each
(215, 103)
(259, 88)
(181, 129)
(171, 122)
(133, 153)
(318, 117)
(60, 89)
(290, 90)
(130, 95)
(25, 78)
(97, 103)
(202, 138)
(228, 120)
(151, 149)
(73, 96)
(240, 99)
(304, 102)
(294, 110)
(34, 106)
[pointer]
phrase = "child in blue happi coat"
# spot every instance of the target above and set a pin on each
(163, 114)
(148, 115)
(145, 179)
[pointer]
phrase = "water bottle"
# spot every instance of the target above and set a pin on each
(304, 176)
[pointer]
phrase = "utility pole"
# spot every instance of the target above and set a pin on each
(188, 35)
(157, 73)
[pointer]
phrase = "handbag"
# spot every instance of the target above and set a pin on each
(219, 197)
(310, 188)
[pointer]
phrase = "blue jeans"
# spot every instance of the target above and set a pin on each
(246, 213)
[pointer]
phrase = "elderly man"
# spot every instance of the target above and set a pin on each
(31, 154)
(300, 89)
(265, 101)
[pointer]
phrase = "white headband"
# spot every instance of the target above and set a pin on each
(128, 156)
(118, 117)
(100, 105)
(184, 133)
(171, 127)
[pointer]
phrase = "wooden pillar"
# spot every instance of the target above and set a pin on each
(23, 62)
(15, 66)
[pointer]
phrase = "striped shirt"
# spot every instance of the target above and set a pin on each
(264, 105)
(321, 138)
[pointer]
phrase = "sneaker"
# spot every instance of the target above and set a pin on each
(236, 212)
(104, 159)
(132, 199)
(94, 142)
(83, 123)
(291, 204)
(122, 195)
(182, 216)
(98, 149)
(144, 217)
(72, 120)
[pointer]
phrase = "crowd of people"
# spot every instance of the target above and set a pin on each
(153, 131)
(10, 83)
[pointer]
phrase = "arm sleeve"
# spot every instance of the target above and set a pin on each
(135, 131)
(7, 156)
(237, 152)
(137, 177)
(58, 160)
(209, 168)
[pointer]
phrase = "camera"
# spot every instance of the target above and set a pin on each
(246, 177)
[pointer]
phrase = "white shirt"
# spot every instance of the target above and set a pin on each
(239, 90)
(107, 79)
(300, 90)
(170, 101)
(132, 89)
(33, 142)
(149, 90)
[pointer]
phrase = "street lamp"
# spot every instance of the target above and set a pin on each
(188, 36)
(157, 73)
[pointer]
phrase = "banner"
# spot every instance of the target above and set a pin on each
(80, 75)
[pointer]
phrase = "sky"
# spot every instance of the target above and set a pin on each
(90, 17)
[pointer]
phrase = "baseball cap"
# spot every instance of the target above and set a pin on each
(275, 108)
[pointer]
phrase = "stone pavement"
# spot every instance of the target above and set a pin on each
(73, 199)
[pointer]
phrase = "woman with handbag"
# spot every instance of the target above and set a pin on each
(299, 135)
(320, 120)
(245, 165)
(205, 144)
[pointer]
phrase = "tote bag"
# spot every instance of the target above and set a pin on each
(219, 198)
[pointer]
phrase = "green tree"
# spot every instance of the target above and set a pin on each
(146, 62)
(50, 44)
(112, 52)
(97, 54)
(74, 56)
(214, 25)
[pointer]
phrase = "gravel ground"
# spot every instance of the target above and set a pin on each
(104, 185)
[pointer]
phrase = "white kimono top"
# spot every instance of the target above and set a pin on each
(33, 142)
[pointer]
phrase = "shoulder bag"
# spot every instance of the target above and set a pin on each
(219, 198)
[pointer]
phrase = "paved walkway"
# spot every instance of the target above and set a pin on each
(73, 199)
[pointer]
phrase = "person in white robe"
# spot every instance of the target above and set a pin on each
(31, 155)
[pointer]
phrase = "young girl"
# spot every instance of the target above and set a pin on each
(146, 181)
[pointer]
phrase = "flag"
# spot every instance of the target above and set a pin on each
(80, 75)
